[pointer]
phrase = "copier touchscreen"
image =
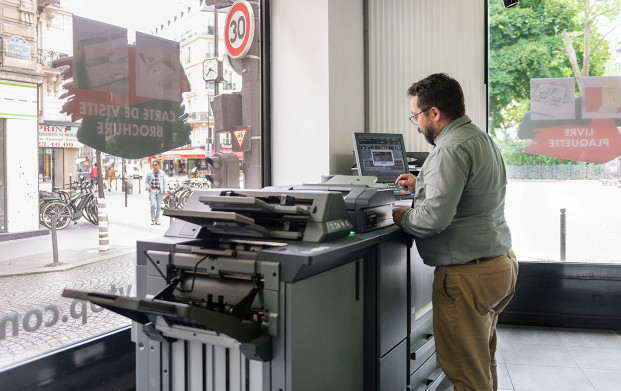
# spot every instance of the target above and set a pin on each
(381, 155)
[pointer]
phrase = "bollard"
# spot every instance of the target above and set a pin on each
(54, 238)
(563, 234)
(104, 244)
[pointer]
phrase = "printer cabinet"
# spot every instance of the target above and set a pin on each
(386, 315)
(425, 372)
(344, 318)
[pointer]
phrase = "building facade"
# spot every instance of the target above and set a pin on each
(20, 81)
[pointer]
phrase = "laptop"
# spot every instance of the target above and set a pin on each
(383, 156)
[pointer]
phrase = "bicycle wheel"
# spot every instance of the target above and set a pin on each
(182, 198)
(62, 211)
(92, 211)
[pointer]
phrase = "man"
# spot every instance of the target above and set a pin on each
(457, 219)
(156, 183)
(110, 176)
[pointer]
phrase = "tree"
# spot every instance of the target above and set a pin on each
(527, 42)
(592, 13)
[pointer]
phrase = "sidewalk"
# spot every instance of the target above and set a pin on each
(78, 244)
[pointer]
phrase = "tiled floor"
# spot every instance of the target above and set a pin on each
(556, 359)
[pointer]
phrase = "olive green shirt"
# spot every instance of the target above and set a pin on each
(458, 210)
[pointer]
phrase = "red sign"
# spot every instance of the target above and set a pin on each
(239, 29)
(598, 142)
(240, 135)
(241, 144)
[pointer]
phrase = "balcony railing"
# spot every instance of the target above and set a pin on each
(46, 57)
(198, 116)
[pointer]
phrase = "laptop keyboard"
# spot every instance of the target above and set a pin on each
(397, 190)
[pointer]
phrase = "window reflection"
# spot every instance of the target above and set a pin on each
(557, 122)
(130, 84)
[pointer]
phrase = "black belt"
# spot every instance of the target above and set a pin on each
(483, 259)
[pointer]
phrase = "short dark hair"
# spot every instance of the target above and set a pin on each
(441, 91)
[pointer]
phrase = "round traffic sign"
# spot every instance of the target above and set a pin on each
(239, 29)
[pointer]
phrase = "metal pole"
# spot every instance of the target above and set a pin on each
(100, 191)
(54, 237)
(563, 234)
(216, 44)
(124, 183)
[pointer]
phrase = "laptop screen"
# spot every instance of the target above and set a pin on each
(381, 155)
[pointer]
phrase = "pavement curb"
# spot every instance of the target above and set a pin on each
(62, 266)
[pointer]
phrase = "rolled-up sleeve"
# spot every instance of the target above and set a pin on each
(435, 205)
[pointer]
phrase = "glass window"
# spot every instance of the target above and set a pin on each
(2, 179)
(555, 111)
(164, 86)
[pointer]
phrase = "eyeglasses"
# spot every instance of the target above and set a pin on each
(414, 118)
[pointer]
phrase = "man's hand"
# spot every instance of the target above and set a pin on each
(406, 182)
(396, 215)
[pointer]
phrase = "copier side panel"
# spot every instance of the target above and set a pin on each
(324, 331)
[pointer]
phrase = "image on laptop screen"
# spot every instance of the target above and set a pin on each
(381, 155)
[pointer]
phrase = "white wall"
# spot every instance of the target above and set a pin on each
(409, 40)
(19, 107)
(21, 175)
(318, 74)
(317, 87)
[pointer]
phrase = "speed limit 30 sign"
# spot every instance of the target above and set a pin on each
(239, 29)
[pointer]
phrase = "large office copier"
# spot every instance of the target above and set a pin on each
(274, 290)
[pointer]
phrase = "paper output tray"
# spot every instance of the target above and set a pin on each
(230, 223)
(250, 204)
(141, 311)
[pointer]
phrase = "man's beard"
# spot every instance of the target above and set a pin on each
(428, 133)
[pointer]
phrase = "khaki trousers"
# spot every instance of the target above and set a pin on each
(466, 302)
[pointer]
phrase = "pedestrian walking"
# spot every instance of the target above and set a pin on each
(156, 184)
(110, 176)
(94, 175)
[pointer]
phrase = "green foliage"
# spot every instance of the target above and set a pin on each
(526, 43)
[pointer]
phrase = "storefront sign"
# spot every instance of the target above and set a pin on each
(58, 137)
(580, 128)
(18, 47)
(598, 142)
(239, 29)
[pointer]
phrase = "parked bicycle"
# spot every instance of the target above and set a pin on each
(69, 206)
(180, 191)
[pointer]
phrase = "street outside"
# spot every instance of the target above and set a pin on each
(34, 319)
(31, 283)
(593, 215)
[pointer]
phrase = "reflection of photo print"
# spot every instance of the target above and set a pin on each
(158, 70)
(100, 59)
(382, 157)
(542, 93)
(105, 60)
(602, 97)
(552, 98)
(555, 98)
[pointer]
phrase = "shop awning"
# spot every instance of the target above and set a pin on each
(192, 153)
